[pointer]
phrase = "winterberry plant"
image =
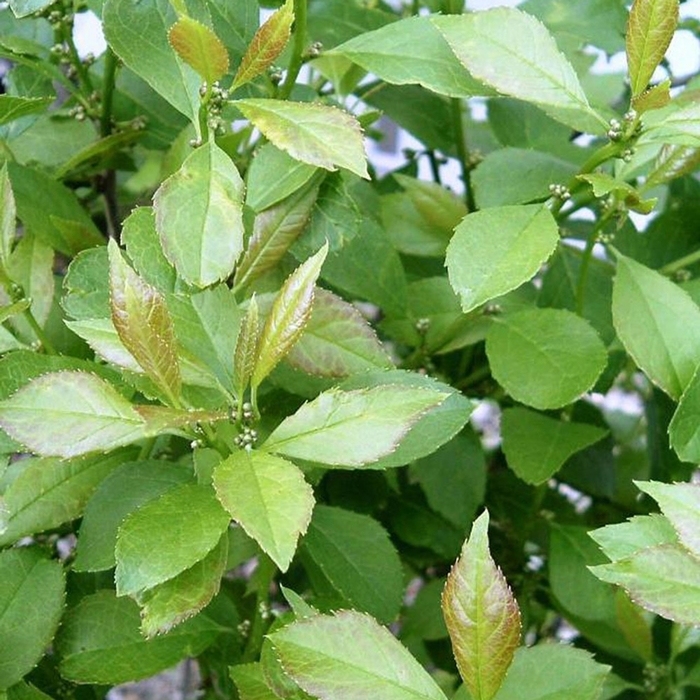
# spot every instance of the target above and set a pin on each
(337, 427)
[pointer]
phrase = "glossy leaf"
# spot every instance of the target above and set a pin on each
(352, 428)
(536, 446)
(8, 214)
(545, 358)
(32, 591)
(268, 496)
(496, 250)
(316, 134)
(515, 54)
(143, 323)
(267, 44)
(289, 315)
(481, 614)
(246, 353)
(198, 46)
(166, 536)
(650, 28)
(659, 325)
(349, 655)
(199, 216)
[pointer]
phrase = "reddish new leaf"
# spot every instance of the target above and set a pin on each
(198, 45)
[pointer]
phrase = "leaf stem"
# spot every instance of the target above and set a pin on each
(679, 264)
(462, 152)
(80, 69)
(39, 332)
(297, 59)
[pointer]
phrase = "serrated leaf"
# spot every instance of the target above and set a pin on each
(650, 28)
(100, 642)
(268, 496)
(639, 532)
(199, 47)
(171, 603)
(101, 335)
(655, 97)
(481, 614)
(32, 591)
(143, 323)
(289, 315)
(349, 655)
(267, 44)
(514, 53)
(246, 354)
(658, 323)
(86, 285)
(352, 428)
(536, 446)
(680, 503)
(199, 216)
(166, 536)
(274, 232)
(316, 134)
(496, 250)
(351, 555)
(664, 579)
(680, 126)
(337, 341)
(545, 358)
(8, 214)
(634, 626)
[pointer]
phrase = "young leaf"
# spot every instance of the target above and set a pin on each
(167, 536)
(143, 323)
(246, 354)
(650, 28)
(267, 44)
(171, 603)
(536, 446)
(658, 323)
(199, 216)
(352, 428)
(545, 358)
(32, 591)
(8, 214)
(312, 133)
(481, 614)
(680, 503)
(198, 46)
(514, 53)
(68, 414)
(496, 250)
(289, 315)
(268, 496)
(349, 655)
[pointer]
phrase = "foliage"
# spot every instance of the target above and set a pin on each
(249, 379)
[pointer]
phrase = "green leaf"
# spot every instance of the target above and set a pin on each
(13, 107)
(349, 655)
(199, 216)
(659, 325)
(246, 354)
(316, 134)
(49, 492)
(514, 53)
(634, 626)
(680, 503)
(639, 532)
(23, 8)
(8, 214)
(251, 682)
(143, 323)
(166, 536)
(545, 358)
(412, 51)
(100, 642)
(481, 614)
(650, 28)
(352, 555)
(274, 232)
(138, 30)
(337, 341)
(67, 414)
(268, 496)
(86, 285)
(101, 335)
(352, 428)
(424, 617)
(536, 446)
(289, 315)
(121, 493)
(684, 430)
(171, 603)
(267, 44)
(680, 126)
(664, 579)
(496, 250)
(198, 46)
(31, 604)
(549, 671)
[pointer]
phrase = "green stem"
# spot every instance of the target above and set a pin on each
(39, 332)
(462, 152)
(679, 264)
(297, 59)
(79, 66)
(434, 166)
(111, 64)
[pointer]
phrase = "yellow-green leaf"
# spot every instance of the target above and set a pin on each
(198, 45)
(246, 349)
